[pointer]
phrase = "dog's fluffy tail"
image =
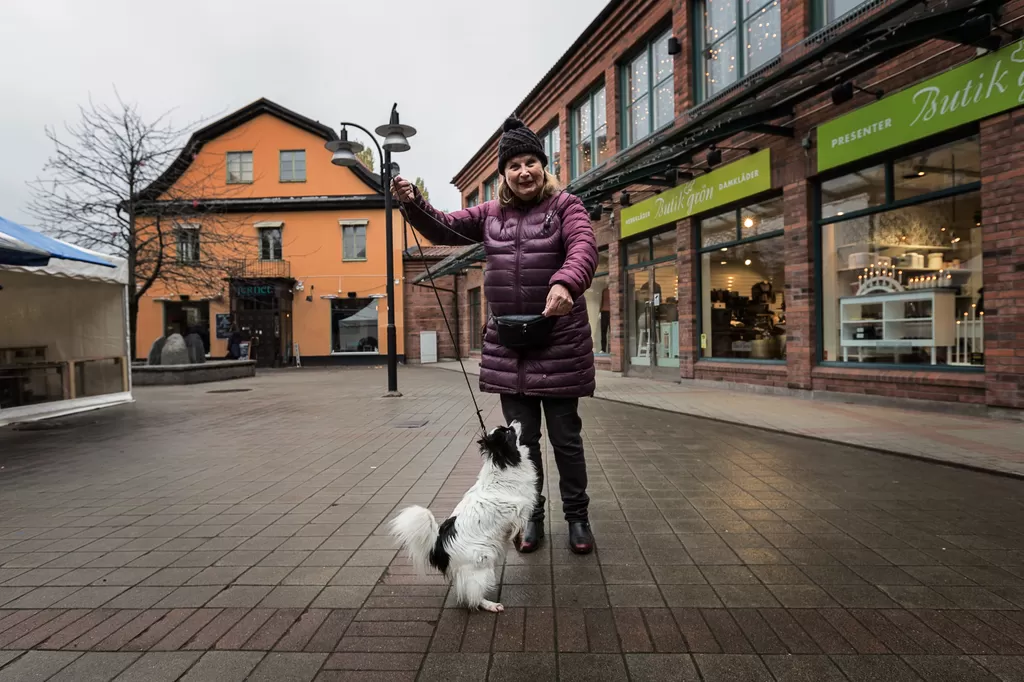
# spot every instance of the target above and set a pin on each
(416, 528)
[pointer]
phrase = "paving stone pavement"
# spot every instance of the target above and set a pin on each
(932, 434)
(209, 535)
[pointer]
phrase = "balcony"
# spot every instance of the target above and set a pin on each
(259, 269)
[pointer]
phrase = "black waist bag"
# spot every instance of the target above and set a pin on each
(523, 332)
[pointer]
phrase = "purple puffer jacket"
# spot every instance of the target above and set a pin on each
(527, 253)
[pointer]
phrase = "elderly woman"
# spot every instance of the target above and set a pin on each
(541, 256)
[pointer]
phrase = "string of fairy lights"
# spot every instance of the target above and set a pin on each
(763, 42)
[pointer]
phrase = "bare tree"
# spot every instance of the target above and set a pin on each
(107, 187)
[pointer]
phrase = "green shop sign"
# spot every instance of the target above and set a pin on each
(981, 88)
(743, 178)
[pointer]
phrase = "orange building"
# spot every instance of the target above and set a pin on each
(298, 243)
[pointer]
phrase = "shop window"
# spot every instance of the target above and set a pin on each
(830, 11)
(473, 199)
(902, 279)
(354, 325)
(270, 243)
(353, 242)
(553, 150)
(293, 166)
(239, 165)
(589, 133)
(735, 38)
(856, 191)
(648, 95)
(598, 298)
(743, 307)
(188, 317)
(188, 244)
(476, 325)
(491, 188)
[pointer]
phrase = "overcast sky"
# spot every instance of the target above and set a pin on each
(455, 67)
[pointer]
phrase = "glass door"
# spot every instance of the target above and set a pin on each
(665, 322)
(652, 322)
(638, 323)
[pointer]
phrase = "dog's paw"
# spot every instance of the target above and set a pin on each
(491, 606)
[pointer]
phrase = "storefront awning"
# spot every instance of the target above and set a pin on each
(454, 264)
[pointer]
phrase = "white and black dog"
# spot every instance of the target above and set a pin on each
(469, 547)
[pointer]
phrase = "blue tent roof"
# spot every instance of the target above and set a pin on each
(39, 247)
(16, 252)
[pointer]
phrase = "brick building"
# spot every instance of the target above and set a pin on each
(806, 195)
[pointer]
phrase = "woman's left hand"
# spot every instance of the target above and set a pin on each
(559, 302)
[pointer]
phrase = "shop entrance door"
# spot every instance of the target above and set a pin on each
(652, 322)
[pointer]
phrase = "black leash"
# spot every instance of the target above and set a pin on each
(440, 305)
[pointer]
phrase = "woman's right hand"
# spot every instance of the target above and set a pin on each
(403, 190)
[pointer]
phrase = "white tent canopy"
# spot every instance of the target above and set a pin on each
(64, 344)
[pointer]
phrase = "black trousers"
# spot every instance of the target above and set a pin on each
(565, 433)
(606, 321)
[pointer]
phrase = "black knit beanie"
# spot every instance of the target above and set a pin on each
(518, 139)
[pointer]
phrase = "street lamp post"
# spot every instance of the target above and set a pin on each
(395, 140)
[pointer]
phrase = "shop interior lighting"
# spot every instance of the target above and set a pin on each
(748, 222)
(746, 262)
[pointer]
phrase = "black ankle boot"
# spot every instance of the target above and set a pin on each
(529, 541)
(581, 540)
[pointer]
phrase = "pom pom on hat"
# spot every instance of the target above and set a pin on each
(512, 123)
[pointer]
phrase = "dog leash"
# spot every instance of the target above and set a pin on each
(440, 305)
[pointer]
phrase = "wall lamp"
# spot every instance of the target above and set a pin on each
(714, 155)
(625, 199)
(843, 92)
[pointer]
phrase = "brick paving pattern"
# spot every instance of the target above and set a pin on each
(976, 442)
(239, 536)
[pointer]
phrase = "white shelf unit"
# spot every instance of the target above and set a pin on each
(897, 334)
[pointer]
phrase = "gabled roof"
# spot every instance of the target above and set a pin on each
(230, 122)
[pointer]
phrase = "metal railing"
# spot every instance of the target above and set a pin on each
(258, 268)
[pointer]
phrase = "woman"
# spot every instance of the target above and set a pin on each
(541, 256)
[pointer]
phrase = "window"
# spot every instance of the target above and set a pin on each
(648, 95)
(270, 243)
(599, 307)
(743, 284)
(188, 244)
(553, 149)
(476, 325)
(491, 188)
(353, 241)
(188, 317)
(589, 133)
(736, 38)
(901, 259)
(829, 11)
(354, 325)
(473, 199)
(239, 167)
(293, 166)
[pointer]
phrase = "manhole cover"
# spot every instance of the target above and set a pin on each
(230, 390)
(412, 424)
